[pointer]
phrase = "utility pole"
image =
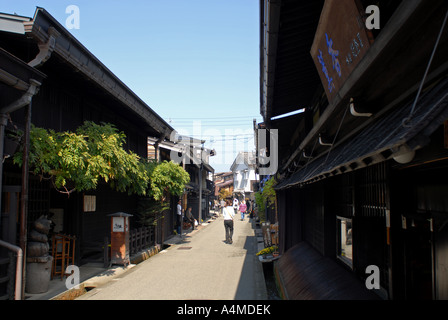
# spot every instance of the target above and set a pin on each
(200, 185)
(256, 145)
(200, 194)
(183, 196)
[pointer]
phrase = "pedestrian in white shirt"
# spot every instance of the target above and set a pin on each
(236, 205)
(223, 205)
(228, 214)
(179, 217)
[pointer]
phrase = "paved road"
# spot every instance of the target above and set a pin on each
(200, 267)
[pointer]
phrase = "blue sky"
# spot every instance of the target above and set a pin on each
(196, 62)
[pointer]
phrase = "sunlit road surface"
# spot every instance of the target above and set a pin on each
(202, 266)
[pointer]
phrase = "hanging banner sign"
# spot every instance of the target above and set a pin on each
(341, 41)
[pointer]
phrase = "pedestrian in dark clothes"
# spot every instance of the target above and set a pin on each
(190, 218)
(228, 214)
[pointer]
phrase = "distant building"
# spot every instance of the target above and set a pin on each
(223, 181)
(195, 160)
(244, 176)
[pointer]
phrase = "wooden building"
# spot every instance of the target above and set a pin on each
(224, 181)
(74, 87)
(188, 155)
(244, 177)
(362, 171)
(19, 83)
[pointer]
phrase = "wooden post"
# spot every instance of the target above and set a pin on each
(119, 238)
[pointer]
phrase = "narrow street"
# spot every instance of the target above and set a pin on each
(201, 267)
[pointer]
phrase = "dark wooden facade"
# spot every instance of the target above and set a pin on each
(343, 163)
(77, 87)
(191, 195)
(18, 84)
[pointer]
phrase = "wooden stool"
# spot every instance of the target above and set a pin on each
(63, 252)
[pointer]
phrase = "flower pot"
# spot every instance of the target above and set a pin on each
(10, 147)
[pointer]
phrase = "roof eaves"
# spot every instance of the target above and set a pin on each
(70, 49)
(10, 76)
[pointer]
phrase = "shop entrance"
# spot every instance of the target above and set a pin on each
(418, 251)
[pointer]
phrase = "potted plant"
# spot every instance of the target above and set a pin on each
(13, 137)
(267, 251)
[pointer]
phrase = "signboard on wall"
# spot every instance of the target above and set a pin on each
(89, 203)
(341, 41)
(118, 224)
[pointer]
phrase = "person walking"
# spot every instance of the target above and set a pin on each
(190, 218)
(243, 208)
(223, 205)
(235, 205)
(179, 217)
(228, 214)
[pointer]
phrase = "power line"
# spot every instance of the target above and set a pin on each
(226, 122)
(218, 126)
(221, 135)
(236, 139)
(210, 121)
(213, 118)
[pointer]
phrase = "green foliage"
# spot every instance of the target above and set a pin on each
(149, 209)
(78, 161)
(168, 177)
(259, 201)
(224, 194)
(266, 198)
(165, 177)
(269, 194)
(82, 158)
